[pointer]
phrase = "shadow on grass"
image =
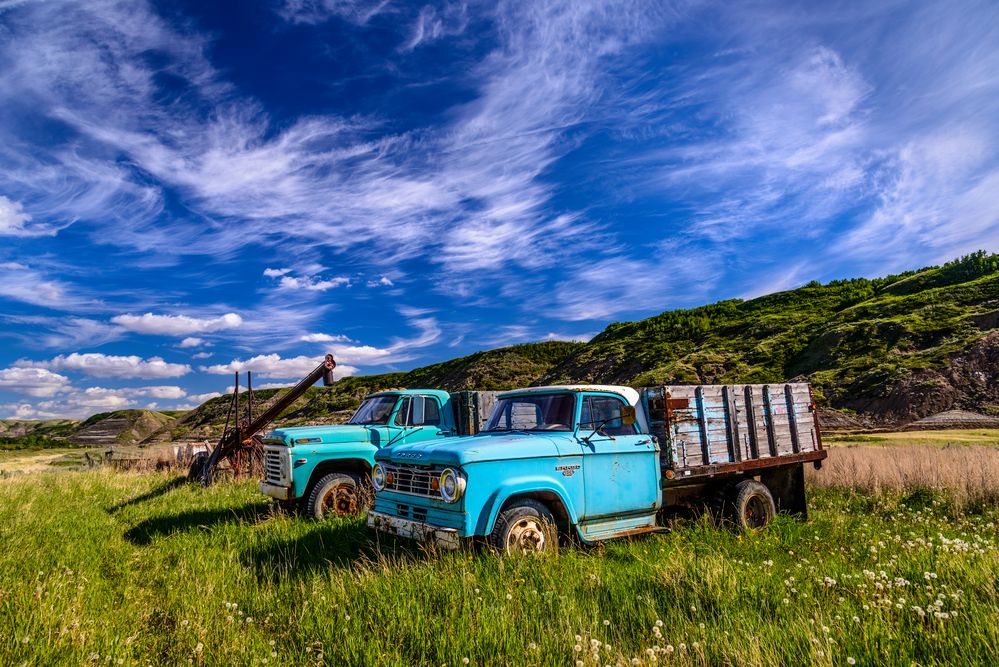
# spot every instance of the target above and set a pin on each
(156, 492)
(326, 545)
(336, 545)
(145, 532)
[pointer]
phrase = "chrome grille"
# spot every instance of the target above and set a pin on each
(410, 479)
(274, 465)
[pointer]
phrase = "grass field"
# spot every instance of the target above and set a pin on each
(104, 568)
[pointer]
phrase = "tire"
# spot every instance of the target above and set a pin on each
(337, 494)
(751, 506)
(526, 526)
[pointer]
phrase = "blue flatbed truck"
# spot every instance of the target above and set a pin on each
(596, 462)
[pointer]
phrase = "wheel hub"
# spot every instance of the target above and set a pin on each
(527, 537)
(341, 501)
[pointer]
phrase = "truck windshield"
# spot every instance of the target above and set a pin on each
(374, 410)
(533, 412)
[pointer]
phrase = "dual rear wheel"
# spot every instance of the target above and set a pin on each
(747, 504)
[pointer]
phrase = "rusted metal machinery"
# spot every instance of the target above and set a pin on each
(240, 448)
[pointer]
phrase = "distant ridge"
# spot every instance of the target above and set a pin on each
(962, 419)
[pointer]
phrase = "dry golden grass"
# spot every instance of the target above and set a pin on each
(983, 436)
(967, 474)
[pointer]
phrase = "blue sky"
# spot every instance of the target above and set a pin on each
(192, 188)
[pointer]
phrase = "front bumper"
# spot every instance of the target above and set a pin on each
(275, 491)
(424, 532)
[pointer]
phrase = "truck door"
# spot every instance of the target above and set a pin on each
(418, 418)
(619, 463)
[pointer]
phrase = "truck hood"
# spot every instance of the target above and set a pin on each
(327, 434)
(477, 448)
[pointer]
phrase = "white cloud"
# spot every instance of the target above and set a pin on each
(27, 411)
(384, 281)
(201, 355)
(201, 398)
(167, 392)
(33, 381)
(318, 11)
(325, 338)
(276, 273)
(110, 366)
(13, 220)
(191, 341)
(22, 283)
(176, 325)
(85, 403)
(274, 366)
(312, 283)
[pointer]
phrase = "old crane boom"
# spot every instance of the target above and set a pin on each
(240, 438)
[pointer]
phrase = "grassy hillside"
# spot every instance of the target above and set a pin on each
(899, 347)
(139, 570)
(121, 427)
(43, 428)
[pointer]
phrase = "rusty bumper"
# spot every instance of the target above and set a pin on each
(424, 532)
(275, 491)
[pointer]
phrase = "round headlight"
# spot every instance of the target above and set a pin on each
(452, 485)
(378, 477)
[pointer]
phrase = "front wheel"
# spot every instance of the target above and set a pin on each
(337, 494)
(524, 527)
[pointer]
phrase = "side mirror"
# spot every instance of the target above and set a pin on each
(628, 415)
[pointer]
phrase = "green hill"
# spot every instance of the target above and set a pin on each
(122, 427)
(897, 348)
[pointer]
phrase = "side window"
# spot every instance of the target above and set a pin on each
(418, 411)
(431, 412)
(403, 415)
(596, 409)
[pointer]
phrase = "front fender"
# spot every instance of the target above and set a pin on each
(302, 473)
(518, 486)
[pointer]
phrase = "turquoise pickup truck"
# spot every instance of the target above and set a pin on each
(325, 470)
(596, 462)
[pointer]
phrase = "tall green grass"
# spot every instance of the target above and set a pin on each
(102, 568)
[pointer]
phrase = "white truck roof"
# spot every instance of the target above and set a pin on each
(627, 393)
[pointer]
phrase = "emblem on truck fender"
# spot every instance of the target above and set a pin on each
(568, 470)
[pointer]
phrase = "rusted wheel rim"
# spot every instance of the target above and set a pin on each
(341, 500)
(756, 513)
(527, 536)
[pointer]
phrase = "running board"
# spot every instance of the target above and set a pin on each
(606, 528)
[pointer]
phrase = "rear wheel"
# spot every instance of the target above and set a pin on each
(337, 494)
(526, 526)
(752, 507)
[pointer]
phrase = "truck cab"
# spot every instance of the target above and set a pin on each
(575, 459)
(325, 470)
